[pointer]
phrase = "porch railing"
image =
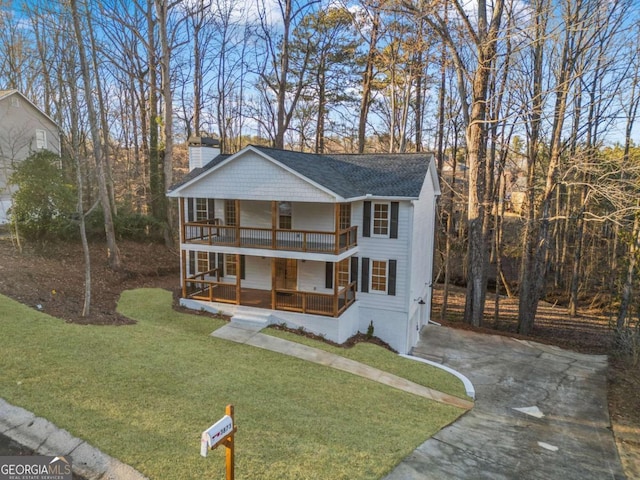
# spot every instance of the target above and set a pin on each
(211, 233)
(316, 303)
(197, 288)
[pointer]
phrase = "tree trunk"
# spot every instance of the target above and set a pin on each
(367, 81)
(165, 66)
(113, 254)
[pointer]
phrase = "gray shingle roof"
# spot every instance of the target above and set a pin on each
(349, 175)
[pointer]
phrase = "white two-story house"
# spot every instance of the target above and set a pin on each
(328, 243)
(24, 130)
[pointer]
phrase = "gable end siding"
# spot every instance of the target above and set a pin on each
(251, 177)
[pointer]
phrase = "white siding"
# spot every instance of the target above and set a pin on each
(257, 273)
(376, 248)
(200, 156)
(313, 216)
(422, 246)
(254, 214)
(389, 325)
(311, 277)
(252, 177)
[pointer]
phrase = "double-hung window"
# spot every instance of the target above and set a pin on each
(41, 139)
(202, 260)
(378, 276)
(230, 213)
(201, 209)
(381, 219)
(284, 216)
(230, 265)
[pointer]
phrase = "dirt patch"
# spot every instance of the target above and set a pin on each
(51, 277)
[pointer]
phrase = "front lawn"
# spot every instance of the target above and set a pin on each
(143, 393)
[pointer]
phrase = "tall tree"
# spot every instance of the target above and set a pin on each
(113, 253)
(276, 71)
(484, 35)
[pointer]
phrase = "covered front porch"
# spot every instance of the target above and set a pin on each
(308, 287)
(277, 299)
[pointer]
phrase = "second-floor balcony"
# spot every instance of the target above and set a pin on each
(211, 232)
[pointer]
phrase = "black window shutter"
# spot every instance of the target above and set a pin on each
(192, 263)
(242, 267)
(391, 289)
(191, 209)
(364, 278)
(221, 264)
(366, 219)
(211, 208)
(394, 220)
(212, 261)
(328, 275)
(354, 270)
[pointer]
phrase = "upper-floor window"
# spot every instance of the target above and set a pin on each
(230, 213)
(201, 209)
(284, 216)
(41, 139)
(344, 215)
(15, 101)
(381, 219)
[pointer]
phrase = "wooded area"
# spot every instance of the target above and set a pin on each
(530, 107)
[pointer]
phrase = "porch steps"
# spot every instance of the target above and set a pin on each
(252, 320)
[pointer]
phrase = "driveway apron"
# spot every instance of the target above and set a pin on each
(540, 413)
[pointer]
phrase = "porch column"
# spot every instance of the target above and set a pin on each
(183, 228)
(238, 289)
(274, 222)
(273, 283)
(336, 288)
(184, 273)
(237, 209)
(336, 214)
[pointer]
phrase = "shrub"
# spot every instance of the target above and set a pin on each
(45, 202)
(128, 225)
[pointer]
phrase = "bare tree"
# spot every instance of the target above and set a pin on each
(113, 253)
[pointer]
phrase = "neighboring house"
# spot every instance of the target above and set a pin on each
(24, 130)
(327, 243)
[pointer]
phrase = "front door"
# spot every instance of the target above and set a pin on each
(286, 273)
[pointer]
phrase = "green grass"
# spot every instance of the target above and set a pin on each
(143, 393)
(386, 360)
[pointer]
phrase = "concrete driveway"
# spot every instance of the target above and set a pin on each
(541, 413)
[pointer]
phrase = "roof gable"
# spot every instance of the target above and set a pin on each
(250, 174)
(4, 94)
(343, 175)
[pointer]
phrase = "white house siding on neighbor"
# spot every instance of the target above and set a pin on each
(24, 130)
(259, 178)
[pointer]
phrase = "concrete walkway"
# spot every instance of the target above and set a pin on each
(252, 336)
(44, 437)
(540, 413)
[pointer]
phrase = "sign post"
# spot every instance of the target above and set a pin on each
(221, 433)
